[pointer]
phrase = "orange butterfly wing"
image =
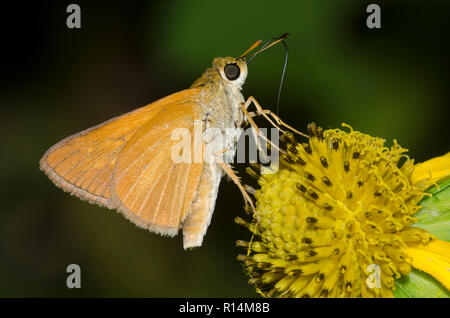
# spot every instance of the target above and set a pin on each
(83, 164)
(150, 188)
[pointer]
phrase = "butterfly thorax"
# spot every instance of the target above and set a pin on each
(220, 97)
(220, 101)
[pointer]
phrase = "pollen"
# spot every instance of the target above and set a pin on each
(335, 219)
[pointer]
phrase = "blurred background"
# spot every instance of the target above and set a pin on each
(391, 82)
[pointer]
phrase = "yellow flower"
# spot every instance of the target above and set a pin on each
(336, 219)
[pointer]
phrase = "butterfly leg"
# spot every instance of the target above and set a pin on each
(252, 100)
(266, 113)
(229, 171)
(254, 126)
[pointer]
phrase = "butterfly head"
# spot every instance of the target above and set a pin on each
(232, 71)
(228, 72)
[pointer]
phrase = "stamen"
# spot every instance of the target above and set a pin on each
(326, 181)
(323, 161)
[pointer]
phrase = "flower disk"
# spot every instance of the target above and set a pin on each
(334, 220)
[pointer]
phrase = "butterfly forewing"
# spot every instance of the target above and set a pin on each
(83, 164)
(150, 187)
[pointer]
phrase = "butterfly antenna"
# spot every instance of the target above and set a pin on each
(262, 49)
(267, 45)
(282, 76)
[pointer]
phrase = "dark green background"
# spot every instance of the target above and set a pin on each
(392, 83)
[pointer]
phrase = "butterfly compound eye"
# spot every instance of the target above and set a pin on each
(232, 71)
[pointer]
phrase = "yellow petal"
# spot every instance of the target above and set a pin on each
(431, 170)
(432, 258)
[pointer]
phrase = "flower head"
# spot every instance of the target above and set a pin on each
(335, 219)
